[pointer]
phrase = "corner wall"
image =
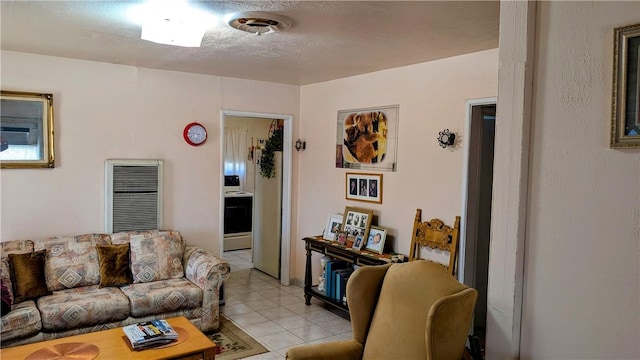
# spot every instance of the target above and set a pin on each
(431, 97)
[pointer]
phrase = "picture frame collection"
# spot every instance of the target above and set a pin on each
(355, 225)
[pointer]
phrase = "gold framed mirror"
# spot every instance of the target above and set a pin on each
(26, 130)
(625, 119)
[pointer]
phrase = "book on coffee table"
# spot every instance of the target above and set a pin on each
(150, 333)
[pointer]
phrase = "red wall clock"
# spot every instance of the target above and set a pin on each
(195, 134)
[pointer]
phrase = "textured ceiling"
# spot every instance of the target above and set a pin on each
(327, 40)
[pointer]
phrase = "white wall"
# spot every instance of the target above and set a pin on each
(431, 97)
(107, 111)
(582, 256)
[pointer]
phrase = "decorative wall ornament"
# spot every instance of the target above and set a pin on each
(446, 138)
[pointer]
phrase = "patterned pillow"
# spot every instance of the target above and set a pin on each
(156, 255)
(72, 261)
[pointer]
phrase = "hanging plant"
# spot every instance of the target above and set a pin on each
(267, 160)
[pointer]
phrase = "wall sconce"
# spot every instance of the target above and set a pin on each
(446, 138)
(300, 145)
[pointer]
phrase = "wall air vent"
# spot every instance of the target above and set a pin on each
(133, 195)
(258, 22)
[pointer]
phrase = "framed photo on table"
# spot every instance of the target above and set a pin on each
(356, 221)
(625, 101)
(358, 242)
(375, 241)
(333, 225)
(341, 237)
(364, 187)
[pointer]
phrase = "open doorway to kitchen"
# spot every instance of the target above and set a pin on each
(477, 198)
(271, 253)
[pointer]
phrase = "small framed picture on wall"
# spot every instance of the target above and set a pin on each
(364, 187)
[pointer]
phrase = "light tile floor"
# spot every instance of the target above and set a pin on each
(274, 314)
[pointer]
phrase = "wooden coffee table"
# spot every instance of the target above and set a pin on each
(113, 344)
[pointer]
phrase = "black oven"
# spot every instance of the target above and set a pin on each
(238, 214)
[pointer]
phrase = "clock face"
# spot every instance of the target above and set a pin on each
(195, 134)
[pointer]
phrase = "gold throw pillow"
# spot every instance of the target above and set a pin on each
(114, 265)
(27, 276)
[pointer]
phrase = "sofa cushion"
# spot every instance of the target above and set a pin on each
(84, 306)
(114, 265)
(27, 275)
(23, 321)
(72, 261)
(155, 254)
(11, 247)
(162, 296)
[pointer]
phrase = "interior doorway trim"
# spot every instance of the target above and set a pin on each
(286, 183)
(462, 255)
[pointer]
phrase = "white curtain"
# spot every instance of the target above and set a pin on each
(235, 153)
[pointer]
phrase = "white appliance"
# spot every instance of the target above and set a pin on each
(238, 215)
(267, 219)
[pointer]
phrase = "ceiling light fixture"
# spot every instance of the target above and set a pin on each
(172, 23)
(257, 22)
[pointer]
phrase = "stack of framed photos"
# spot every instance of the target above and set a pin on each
(355, 225)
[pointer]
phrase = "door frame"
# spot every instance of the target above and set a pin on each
(464, 247)
(287, 136)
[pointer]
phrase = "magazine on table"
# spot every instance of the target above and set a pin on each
(150, 333)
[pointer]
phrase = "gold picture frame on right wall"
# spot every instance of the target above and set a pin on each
(625, 107)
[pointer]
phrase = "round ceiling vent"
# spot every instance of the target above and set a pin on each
(258, 22)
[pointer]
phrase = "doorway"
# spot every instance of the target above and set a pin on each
(476, 229)
(226, 118)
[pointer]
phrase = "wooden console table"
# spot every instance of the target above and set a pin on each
(344, 253)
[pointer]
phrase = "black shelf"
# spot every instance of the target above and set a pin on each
(340, 252)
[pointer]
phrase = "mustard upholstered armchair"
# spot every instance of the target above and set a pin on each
(413, 310)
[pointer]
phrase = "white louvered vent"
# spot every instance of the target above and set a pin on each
(133, 199)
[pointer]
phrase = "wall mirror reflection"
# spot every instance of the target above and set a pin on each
(26, 130)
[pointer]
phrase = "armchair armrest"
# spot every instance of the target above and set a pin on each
(209, 273)
(448, 324)
(364, 286)
(337, 350)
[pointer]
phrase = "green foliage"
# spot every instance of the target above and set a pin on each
(267, 160)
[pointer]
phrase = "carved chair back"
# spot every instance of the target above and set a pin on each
(435, 234)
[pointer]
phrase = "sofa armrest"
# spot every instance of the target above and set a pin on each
(338, 350)
(209, 273)
(203, 268)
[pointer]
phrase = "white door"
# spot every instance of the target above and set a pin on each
(267, 220)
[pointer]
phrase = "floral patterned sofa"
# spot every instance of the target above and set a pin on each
(71, 285)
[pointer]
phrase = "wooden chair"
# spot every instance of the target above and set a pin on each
(436, 235)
